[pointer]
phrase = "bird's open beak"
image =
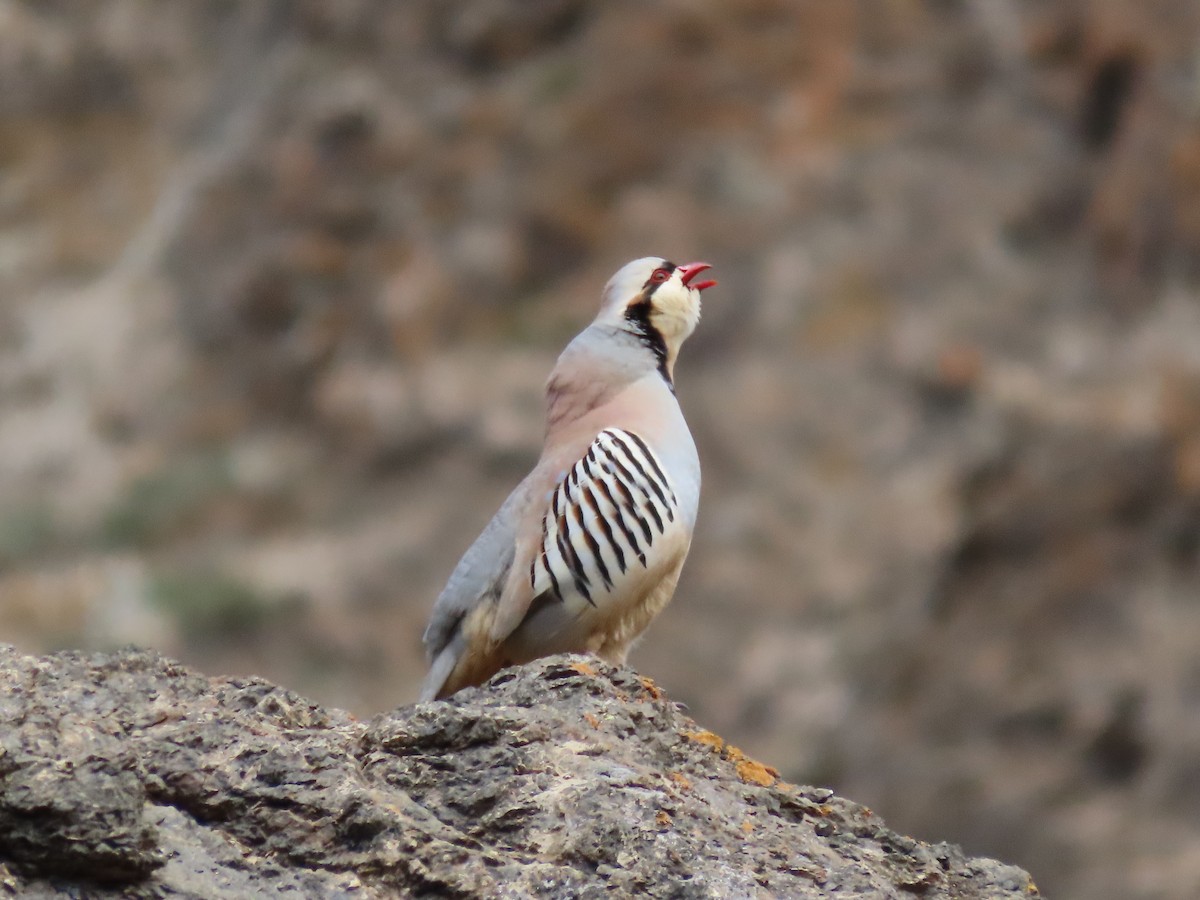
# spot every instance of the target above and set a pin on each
(690, 271)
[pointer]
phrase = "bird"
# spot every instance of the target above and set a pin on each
(588, 548)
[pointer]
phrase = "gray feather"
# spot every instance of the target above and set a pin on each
(479, 575)
(441, 667)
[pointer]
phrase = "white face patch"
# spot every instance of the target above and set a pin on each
(675, 310)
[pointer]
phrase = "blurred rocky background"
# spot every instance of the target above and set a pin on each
(280, 283)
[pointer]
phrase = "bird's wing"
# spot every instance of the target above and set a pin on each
(610, 523)
(479, 576)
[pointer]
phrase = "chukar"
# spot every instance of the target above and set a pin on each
(588, 548)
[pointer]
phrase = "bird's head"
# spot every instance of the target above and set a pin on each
(658, 301)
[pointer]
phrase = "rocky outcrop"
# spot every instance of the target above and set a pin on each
(126, 774)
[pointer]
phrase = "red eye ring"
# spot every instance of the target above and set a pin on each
(660, 275)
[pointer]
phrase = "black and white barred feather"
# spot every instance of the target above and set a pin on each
(604, 518)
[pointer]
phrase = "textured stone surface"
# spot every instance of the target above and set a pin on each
(128, 775)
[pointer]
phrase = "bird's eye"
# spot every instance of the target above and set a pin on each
(660, 275)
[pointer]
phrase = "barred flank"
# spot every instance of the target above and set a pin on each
(616, 500)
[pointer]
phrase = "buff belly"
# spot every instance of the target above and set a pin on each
(607, 629)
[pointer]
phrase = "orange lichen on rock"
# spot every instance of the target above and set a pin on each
(651, 688)
(583, 668)
(751, 770)
(663, 818)
(747, 826)
(755, 772)
(748, 770)
(680, 781)
(715, 741)
(591, 720)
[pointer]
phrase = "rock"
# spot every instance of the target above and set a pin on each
(125, 774)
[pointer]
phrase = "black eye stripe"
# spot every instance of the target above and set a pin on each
(651, 285)
(638, 314)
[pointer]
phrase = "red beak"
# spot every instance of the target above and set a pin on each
(690, 271)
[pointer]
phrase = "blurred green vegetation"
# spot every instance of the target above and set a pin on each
(209, 604)
(25, 532)
(160, 505)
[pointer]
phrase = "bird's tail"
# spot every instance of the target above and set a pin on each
(441, 669)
